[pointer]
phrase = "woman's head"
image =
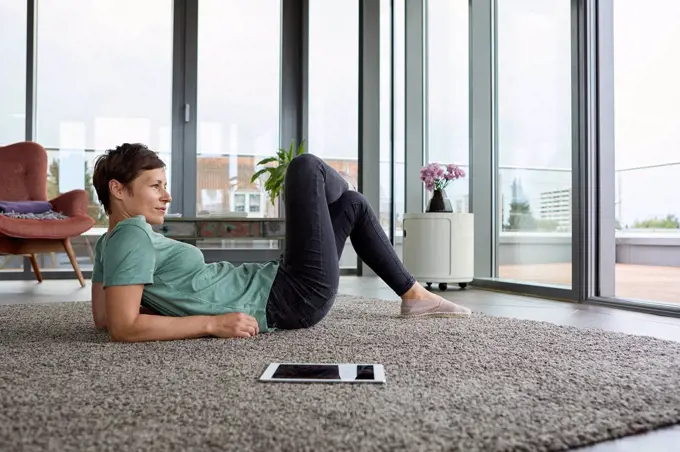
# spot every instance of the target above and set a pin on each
(130, 180)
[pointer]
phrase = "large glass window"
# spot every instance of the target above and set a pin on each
(13, 73)
(106, 81)
(333, 90)
(386, 117)
(392, 129)
(448, 92)
(534, 141)
(399, 117)
(238, 104)
(647, 132)
(12, 88)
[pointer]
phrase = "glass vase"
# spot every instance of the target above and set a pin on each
(439, 202)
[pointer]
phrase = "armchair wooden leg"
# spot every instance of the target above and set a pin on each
(36, 269)
(72, 258)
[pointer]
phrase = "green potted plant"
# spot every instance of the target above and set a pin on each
(277, 173)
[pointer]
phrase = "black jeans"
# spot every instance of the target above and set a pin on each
(321, 212)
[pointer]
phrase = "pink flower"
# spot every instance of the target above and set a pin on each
(436, 176)
(438, 172)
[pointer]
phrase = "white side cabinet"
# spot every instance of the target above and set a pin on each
(439, 247)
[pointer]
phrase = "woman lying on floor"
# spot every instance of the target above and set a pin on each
(147, 287)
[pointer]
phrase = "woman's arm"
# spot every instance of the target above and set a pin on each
(126, 324)
(99, 305)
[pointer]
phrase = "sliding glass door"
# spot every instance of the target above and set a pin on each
(573, 133)
(646, 163)
(533, 126)
(529, 143)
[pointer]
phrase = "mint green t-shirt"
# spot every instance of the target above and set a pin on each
(177, 281)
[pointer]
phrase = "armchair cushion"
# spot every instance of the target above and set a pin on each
(72, 204)
(49, 215)
(44, 229)
(25, 206)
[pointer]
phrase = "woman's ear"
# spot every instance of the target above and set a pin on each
(116, 189)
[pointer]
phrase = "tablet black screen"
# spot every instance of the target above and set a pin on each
(308, 371)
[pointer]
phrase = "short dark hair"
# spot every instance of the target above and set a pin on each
(123, 164)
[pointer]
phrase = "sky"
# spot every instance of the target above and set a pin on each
(104, 76)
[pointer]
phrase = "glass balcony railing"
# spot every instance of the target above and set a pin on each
(534, 243)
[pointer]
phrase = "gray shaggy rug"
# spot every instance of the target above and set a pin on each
(478, 384)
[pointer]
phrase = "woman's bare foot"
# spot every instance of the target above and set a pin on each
(418, 302)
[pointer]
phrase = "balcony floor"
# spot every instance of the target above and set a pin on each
(642, 282)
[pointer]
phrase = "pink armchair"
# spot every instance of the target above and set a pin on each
(23, 177)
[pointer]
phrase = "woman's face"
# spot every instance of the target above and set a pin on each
(147, 196)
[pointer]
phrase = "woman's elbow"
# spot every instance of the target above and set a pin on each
(122, 333)
(99, 319)
(120, 336)
(132, 332)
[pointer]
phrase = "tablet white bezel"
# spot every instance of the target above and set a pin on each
(378, 374)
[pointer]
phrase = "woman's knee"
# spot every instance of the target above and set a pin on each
(354, 197)
(304, 163)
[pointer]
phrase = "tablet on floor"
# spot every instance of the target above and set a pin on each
(324, 373)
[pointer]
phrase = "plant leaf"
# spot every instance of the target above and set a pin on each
(273, 185)
(267, 160)
(259, 173)
(275, 178)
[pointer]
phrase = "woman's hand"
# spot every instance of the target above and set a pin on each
(234, 324)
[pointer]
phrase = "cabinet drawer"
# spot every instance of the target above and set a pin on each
(177, 229)
(228, 230)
